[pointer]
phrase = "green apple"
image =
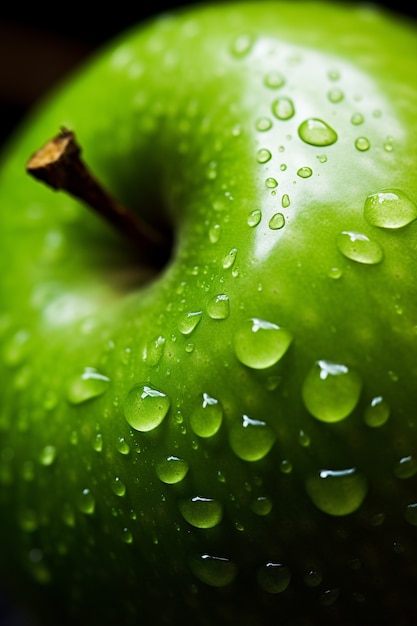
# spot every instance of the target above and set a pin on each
(230, 438)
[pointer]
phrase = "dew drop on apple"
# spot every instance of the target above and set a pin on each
(331, 391)
(145, 407)
(406, 467)
(263, 155)
(390, 208)
(254, 218)
(242, 45)
(251, 439)
(214, 233)
(215, 571)
(189, 322)
(201, 512)
(172, 470)
(271, 183)
(262, 505)
(273, 577)
(359, 247)
(118, 487)
(274, 80)
(337, 492)
(313, 578)
(98, 442)
(86, 502)
(218, 307)
(47, 456)
(286, 466)
(88, 385)
(285, 201)
(377, 412)
(207, 416)
(329, 596)
(259, 344)
(122, 446)
(283, 108)
(277, 221)
(316, 132)
(305, 172)
(357, 119)
(28, 520)
(411, 514)
(126, 536)
(154, 351)
(362, 144)
(263, 124)
(335, 95)
(229, 259)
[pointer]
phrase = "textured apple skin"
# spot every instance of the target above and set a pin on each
(180, 120)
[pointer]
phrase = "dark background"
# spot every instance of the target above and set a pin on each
(39, 45)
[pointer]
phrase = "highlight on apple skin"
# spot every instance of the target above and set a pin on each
(208, 411)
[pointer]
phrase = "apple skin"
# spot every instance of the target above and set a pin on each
(232, 439)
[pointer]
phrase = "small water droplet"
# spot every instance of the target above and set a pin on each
(242, 45)
(274, 80)
(273, 577)
(411, 514)
(47, 456)
(271, 183)
(286, 466)
(338, 492)
(90, 384)
(263, 124)
(285, 201)
(98, 442)
(331, 391)
(357, 119)
(406, 467)
(304, 172)
(316, 132)
(28, 520)
(207, 417)
(259, 344)
(122, 446)
(329, 597)
(86, 502)
(251, 439)
(360, 248)
(127, 536)
(277, 221)
(218, 307)
(254, 218)
(189, 322)
(262, 505)
(172, 470)
(201, 512)
(214, 233)
(303, 439)
(154, 351)
(68, 515)
(283, 108)
(335, 273)
(263, 155)
(312, 578)
(215, 571)
(335, 95)
(377, 413)
(362, 144)
(118, 487)
(229, 259)
(390, 208)
(145, 407)
(16, 348)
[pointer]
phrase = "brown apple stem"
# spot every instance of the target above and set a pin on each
(58, 164)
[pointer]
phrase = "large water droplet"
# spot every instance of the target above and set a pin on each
(260, 344)
(358, 247)
(331, 391)
(277, 221)
(273, 577)
(262, 505)
(218, 307)
(229, 259)
(207, 417)
(251, 439)
(316, 132)
(305, 172)
(145, 407)
(337, 492)
(263, 155)
(215, 571)
(283, 108)
(172, 470)
(390, 208)
(189, 322)
(91, 384)
(201, 512)
(254, 218)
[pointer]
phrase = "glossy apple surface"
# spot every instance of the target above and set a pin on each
(231, 439)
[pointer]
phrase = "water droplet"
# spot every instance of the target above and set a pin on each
(335, 273)
(263, 155)
(207, 417)
(98, 442)
(411, 514)
(303, 439)
(329, 597)
(189, 322)
(86, 502)
(47, 456)
(273, 577)
(91, 384)
(17, 348)
(28, 520)
(377, 413)
(127, 536)
(357, 119)
(358, 247)
(390, 208)
(262, 505)
(122, 446)
(229, 259)
(251, 439)
(335, 95)
(331, 391)
(286, 466)
(145, 407)
(260, 344)
(274, 80)
(283, 108)
(214, 233)
(172, 470)
(362, 144)
(154, 350)
(118, 487)
(201, 512)
(215, 571)
(271, 183)
(339, 492)
(333, 74)
(218, 307)
(304, 172)
(316, 132)
(242, 45)
(406, 467)
(285, 201)
(254, 218)
(263, 124)
(277, 221)
(68, 515)
(322, 158)
(312, 578)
